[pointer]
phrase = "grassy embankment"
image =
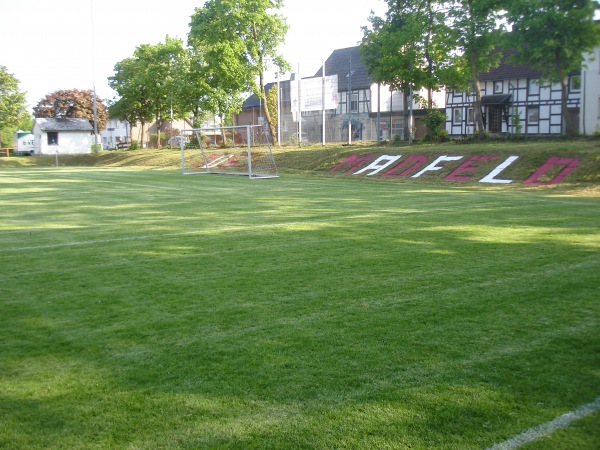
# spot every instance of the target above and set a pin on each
(317, 159)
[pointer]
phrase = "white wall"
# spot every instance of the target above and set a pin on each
(397, 102)
(26, 143)
(589, 116)
(69, 142)
(116, 131)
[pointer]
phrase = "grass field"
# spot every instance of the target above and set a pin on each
(146, 309)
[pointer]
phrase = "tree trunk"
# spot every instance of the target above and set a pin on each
(567, 126)
(263, 95)
(142, 134)
(477, 110)
(405, 96)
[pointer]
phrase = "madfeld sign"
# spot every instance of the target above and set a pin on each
(473, 168)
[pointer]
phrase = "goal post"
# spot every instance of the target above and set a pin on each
(232, 150)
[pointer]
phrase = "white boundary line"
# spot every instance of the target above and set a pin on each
(548, 428)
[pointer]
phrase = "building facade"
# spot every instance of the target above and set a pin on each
(356, 108)
(514, 100)
(62, 136)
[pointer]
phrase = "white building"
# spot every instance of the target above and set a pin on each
(589, 118)
(63, 136)
(116, 134)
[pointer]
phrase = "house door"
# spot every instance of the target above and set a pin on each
(574, 121)
(495, 119)
(420, 128)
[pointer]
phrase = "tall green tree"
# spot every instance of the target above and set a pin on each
(412, 46)
(71, 103)
(12, 103)
(389, 55)
(474, 23)
(149, 84)
(193, 91)
(135, 99)
(163, 66)
(134, 102)
(238, 41)
(552, 36)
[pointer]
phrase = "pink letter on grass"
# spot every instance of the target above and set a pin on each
(467, 167)
(419, 161)
(569, 164)
(354, 161)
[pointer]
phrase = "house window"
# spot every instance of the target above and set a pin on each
(498, 87)
(470, 116)
(575, 83)
(353, 102)
(533, 114)
(52, 137)
(398, 127)
(457, 115)
(534, 86)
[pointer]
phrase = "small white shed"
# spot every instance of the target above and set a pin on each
(63, 136)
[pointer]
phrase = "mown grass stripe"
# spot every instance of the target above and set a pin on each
(227, 229)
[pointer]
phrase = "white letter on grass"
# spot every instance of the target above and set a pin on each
(433, 166)
(489, 178)
(377, 165)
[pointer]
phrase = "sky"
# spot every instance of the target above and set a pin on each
(74, 44)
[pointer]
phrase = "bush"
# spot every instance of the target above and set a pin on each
(435, 122)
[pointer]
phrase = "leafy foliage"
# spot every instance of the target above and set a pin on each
(12, 103)
(477, 36)
(412, 46)
(552, 36)
(149, 83)
(238, 40)
(272, 97)
(71, 104)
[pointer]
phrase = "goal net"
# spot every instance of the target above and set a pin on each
(237, 150)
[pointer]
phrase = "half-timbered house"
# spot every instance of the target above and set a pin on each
(514, 100)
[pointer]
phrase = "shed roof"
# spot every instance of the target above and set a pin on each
(64, 124)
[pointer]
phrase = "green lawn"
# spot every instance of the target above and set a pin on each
(146, 309)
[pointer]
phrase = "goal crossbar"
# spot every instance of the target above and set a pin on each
(231, 150)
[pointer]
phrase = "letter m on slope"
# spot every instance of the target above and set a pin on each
(351, 163)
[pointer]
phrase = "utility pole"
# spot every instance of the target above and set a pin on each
(349, 100)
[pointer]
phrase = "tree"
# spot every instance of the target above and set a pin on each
(411, 47)
(238, 41)
(552, 36)
(193, 91)
(12, 103)
(388, 59)
(272, 99)
(72, 103)
(477, 37)
(134, 103)
(162, 68)
(149, 84)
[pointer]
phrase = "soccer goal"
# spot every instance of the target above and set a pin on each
(238, 150)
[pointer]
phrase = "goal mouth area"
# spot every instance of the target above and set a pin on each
(243, 150)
